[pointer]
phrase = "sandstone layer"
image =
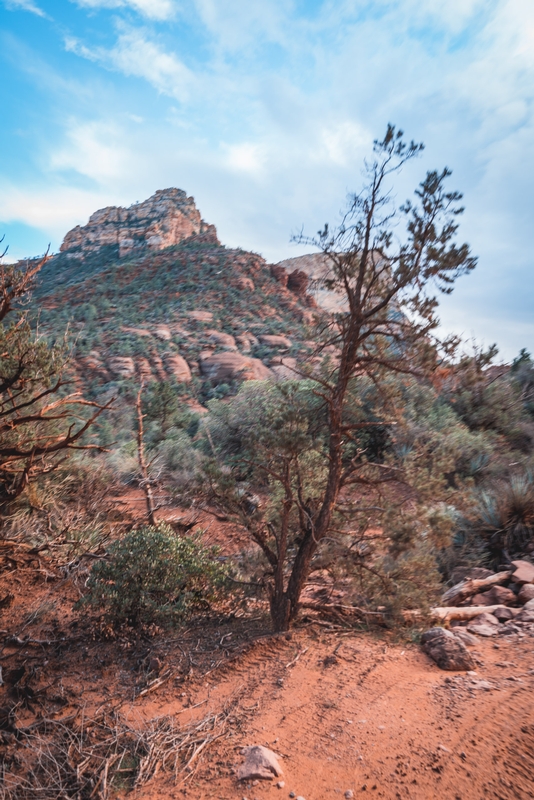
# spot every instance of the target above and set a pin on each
(165, 219)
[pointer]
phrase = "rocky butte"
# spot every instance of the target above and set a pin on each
(165, 219)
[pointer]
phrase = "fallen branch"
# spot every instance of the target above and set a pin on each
(340, 608)
(156, 684)
(466, 589)
(466, 612)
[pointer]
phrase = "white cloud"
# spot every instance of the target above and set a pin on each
(136, 55)
(153, 9)
(93, 149)
(272, 127)
(245, 157)
(25, 5)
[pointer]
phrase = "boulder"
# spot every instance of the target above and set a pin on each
(523, 572)
(273, 340)
(122, 367)
(447, 650)
(285, 368)
(163, 332)
(467, 638)
(222, 339)
(279, 274)
(484, 625)
(525, 615)
(504, 613)
(526, 593)
(497, 595)
(144, 370)
(246, 341)
(201, 316)
(136, 331)
(245, 284)
(178, 367)
(260, 762)
(157, 365)
(224, 367)
(297, 281)
(469, 573)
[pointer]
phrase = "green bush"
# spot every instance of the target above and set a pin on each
(154, 576)
(504, 516)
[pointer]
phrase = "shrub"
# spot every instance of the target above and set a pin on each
(504, 515)
(154, 576)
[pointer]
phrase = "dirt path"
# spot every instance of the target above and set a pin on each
(349, 713)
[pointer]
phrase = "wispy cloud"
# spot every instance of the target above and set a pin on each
(153, 9)
(277, 106)
(25, 5)
(135, 54)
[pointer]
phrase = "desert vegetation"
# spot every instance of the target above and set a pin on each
(354, 464)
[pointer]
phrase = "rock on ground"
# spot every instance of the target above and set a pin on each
(447, 650)
(260, 762)
(467, 638)
(484, 625)
(523, 572)
(497, 595)
(526, 593)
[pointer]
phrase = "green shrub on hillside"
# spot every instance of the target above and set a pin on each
(154, 576)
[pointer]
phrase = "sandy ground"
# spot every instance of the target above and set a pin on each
(347, 711)
(351, 713)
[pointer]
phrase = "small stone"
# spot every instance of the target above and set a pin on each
(292, 794)
(349, 793)
(260, 762)
(255, 783)
(443, 748)
(280, 784)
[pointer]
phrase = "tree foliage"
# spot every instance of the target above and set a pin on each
(388, 285)
(40, 419)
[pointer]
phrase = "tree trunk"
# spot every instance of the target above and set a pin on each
(145, 483)
(281, 612)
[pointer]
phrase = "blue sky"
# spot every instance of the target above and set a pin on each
(263, 111)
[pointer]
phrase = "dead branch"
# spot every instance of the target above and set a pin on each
(466, 612)
(468, 588)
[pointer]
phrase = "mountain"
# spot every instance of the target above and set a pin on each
(150, 294)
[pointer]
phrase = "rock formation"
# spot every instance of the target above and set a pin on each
(165, 219)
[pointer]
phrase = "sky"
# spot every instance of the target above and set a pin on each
(264, 112)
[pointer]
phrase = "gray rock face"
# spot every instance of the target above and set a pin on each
(260, 762)
(447, 650)
(165, 219)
